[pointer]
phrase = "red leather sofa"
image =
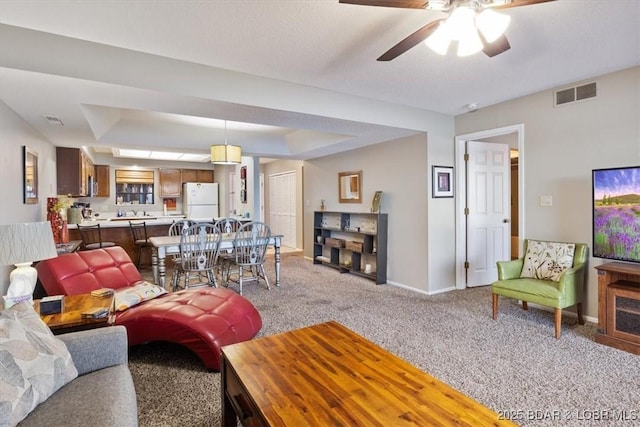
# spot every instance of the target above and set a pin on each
(201, 319)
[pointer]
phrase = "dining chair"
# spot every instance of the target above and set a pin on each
(91, 236)
(140, 239)
(250, 249)
(178, 228)
(226, 226)
(199, 246)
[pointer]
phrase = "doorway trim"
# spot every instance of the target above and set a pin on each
(461, 191)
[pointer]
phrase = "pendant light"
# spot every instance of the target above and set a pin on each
(226, 154)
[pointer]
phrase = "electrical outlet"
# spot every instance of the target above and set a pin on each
(546, 201)
(307, 203)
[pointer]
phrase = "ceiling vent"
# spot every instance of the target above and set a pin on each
(574, 94)
(54, 120)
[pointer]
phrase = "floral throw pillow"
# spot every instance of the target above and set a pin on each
(34, 364)
(127, 297)
(547, 260)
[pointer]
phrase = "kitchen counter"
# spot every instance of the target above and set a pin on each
(123, 221)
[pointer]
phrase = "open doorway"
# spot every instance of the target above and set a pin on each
(513, 137)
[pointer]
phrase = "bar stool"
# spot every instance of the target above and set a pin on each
(92, 237)
(140, 239)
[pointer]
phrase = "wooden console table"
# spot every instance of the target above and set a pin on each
(327, 375)
(619, 306)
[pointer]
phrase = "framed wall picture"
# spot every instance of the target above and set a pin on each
(442, 181)
(30, 176)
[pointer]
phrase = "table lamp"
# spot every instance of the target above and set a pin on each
(21, 245)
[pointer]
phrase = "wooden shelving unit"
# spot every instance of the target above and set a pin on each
(367, 231)
(619, 306)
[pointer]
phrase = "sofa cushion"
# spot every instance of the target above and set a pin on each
(128, 297)
(33, 363)
(547, 260)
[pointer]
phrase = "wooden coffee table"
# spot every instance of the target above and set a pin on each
(327, 375)
(71, 317)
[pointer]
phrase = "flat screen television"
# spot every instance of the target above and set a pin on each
(616, 213)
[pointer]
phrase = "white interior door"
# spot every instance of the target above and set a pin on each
(489, 210)
(282, 206)
(231, 195)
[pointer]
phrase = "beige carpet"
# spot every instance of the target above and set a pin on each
(512, 364)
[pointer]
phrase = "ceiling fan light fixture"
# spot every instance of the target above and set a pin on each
(469, 43)
(492, 24)
(460, 22)
(440, 39)
(226, 154)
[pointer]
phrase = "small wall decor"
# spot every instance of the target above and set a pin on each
(442, 181)
(243, 184)
(30, 175)
(377, 200)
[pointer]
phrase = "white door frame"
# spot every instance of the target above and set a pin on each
(461, 191)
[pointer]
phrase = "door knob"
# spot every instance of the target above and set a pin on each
(506, 220)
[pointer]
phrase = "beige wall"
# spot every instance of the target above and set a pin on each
(400, 169)
(14, 134)
(561, 147)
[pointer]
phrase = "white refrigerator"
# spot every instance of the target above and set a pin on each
(200, 200)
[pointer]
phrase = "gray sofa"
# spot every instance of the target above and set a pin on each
(103, 394)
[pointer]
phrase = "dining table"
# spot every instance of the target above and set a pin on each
(162, 246)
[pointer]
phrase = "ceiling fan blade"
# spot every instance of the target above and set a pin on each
(496, 47)
(408, 4)
(410, 41)
(516, 3)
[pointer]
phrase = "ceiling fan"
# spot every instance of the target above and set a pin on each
(472, 23)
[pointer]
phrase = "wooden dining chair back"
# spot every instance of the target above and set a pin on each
(91, 236)
(199, 247)
(140, 239)
(250, 250)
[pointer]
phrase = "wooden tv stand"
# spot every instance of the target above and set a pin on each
(619, 306)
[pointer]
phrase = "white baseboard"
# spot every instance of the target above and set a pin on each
(564, 312)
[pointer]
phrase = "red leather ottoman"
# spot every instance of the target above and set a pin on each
(203, 319)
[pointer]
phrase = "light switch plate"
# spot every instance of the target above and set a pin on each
(546, 201)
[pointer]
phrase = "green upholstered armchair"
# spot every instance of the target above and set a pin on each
(565, 292)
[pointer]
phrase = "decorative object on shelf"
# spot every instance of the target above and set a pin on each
(367, 268)
(30, 176)
(442, 181)
(56, 209)
(319, 238)
(377, 200)
(350, 187)
(226, 154)
(20, 245)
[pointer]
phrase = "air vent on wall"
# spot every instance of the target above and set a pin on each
(573, 94)
(54, 120)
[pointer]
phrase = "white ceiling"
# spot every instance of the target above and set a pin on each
(166, 74)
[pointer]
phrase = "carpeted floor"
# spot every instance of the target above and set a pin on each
(513, 365)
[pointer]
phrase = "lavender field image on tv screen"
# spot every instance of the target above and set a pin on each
(616, 213)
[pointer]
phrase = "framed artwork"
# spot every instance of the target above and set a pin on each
(243, 184)
(30, 176)
(442, 181)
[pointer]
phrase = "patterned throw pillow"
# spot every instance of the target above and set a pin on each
(34, 364)
(547, 260)
(129, 296)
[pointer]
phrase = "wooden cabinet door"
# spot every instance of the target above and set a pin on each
(189, 175)
(69, 171)
(102, 181)
(170, 182)
(205, 175)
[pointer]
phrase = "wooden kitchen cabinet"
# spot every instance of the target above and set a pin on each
(170, 182)
(197, 175)
(73, 169)
(102, 181)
